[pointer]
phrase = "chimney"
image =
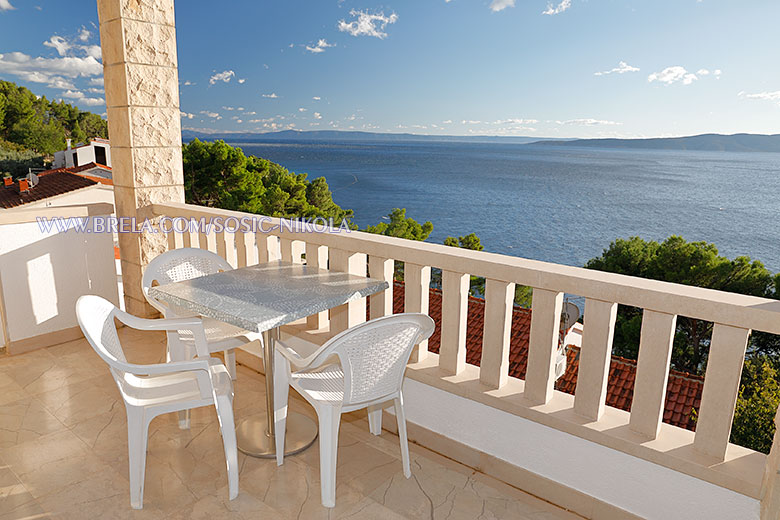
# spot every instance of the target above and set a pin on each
(68, 141)
(24, 185)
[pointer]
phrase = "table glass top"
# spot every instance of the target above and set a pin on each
(264, 296)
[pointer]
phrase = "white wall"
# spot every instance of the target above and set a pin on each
(43, 274)
(634, 485)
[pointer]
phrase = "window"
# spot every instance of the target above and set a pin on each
(75, 159)
(100, 155)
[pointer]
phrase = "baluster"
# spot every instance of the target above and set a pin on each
(454, 312)
(354, 312)
(546, 307)
(721, 386)
(317, 258)
(595, 358)
(241, 248)
(267, 247)
(652, 372)
(251, 248)
(417, 287)
(187, 236)
(499, 303)
(220, 243)
(381, 269)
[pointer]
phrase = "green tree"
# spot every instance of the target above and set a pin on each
(42, 125)
(759, 397)
(690, 263)
(221, 176)
(401, 226)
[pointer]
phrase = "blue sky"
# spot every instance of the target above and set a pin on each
(566, 68)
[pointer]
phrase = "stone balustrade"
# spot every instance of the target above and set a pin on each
(705, 453)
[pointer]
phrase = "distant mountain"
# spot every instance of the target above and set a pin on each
(703, 142)
(337, 135)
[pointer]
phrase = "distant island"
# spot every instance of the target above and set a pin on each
(339, 135)
(703, 142)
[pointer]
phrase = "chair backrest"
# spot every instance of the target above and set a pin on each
(96, 319)
(374, 354)
(178, 265)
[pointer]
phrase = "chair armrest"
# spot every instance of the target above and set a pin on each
(288, 352)
(193, 323)
(170, 367)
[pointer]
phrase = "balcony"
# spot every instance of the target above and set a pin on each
(473, 426)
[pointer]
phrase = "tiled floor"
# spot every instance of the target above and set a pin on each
(63, 455)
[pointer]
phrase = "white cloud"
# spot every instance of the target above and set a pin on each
(58, 43)
(94, 90)
(82, 99)
(242, 81)
(717, 73)
(50, 70)
(239, 121)
(272, 95)
(321, 45)
(500, 5)
(301, 109)
(186, 115)
(515, 121)
(188, 83)
(240, 109)
(587, 122)
(622, 68)
(5, 5)
(702, 72)
(213, 115)
(225, 76)
(563, 6)
(470, 122)
(368, 24)
(251, 113)
(228, 108)
(673, 75)
(317, 115)
(65, 47)
(764, 96)
(96, 81)
(316, 98)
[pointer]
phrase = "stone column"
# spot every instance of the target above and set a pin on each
(138, 39)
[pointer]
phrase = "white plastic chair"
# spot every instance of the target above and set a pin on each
(151, 390)
(362, 367)
(185, 264)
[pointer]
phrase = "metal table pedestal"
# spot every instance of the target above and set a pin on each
(256, 435)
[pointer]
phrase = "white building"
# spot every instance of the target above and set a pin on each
(98, 151)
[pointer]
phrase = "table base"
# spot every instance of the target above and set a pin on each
(253, 438)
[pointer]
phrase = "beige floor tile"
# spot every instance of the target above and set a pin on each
(51, 462)
(26, 420)
(10, 390)
(83, 400)
(63, 454)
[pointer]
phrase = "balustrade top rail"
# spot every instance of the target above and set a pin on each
(733, 309)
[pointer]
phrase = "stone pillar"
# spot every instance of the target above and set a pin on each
(138, 39)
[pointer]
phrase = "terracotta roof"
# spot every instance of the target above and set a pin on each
(51, 183)
(683, 390)
(78, 170)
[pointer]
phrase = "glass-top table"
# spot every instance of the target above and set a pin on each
(261, 298)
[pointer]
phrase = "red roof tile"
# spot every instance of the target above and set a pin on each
(51, 183)
(683, 390)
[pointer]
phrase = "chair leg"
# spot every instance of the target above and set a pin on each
(281, 394)
(224, 407)
(329, 418)
(137, 432)
(230, 363)
(375, 419)
(176, 353)
(401, 418)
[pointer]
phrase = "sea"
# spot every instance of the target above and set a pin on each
(562, 204)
